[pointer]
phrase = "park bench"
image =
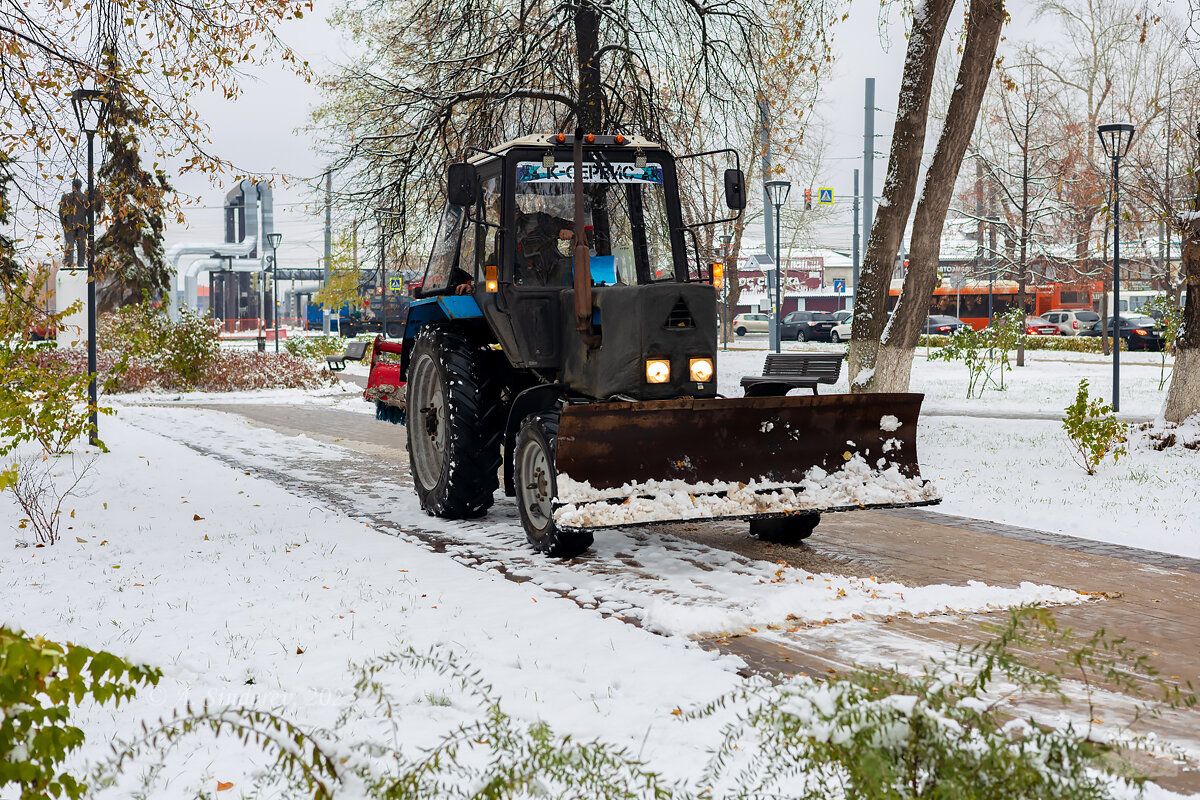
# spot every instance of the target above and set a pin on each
(786, 371)
(355, 351)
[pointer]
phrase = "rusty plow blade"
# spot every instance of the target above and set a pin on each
(623, 464)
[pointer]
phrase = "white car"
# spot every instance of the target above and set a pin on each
(840, 333)
(1071, 321)
(750, 322)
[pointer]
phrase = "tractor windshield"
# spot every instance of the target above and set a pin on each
(625, 220)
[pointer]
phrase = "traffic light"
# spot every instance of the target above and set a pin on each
(808, 199)
(718, 274)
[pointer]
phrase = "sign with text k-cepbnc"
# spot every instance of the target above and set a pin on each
(825, 196)
(396, 284)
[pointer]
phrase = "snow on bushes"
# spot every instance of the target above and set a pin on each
(229, 371)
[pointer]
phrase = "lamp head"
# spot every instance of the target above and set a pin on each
(91, 108)
(778, 191)
(274, 239)
(1116, 137)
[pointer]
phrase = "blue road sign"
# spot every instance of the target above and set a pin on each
(839, 284)
(825, 196)
(396, 284)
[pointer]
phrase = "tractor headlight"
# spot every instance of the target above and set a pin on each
(701, 369)
(658, 370)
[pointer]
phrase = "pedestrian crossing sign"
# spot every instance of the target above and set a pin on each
(396, 284)
(825, 196)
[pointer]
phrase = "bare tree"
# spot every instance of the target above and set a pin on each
(892, 359)
(1183, 396)
(440, 77)
(899, 189)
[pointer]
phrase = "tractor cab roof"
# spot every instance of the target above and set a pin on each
(565, 140)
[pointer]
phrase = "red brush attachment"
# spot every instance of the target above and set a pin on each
(384, 384)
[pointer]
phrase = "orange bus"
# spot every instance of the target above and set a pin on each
(970, 303)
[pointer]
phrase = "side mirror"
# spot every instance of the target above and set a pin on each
(735, 189)
(462, 185)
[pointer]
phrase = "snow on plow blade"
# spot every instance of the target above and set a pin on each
(624, 463)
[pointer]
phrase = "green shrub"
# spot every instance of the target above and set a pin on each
(47, 404)
(186, 347)
(1093, 430)
(40, 682)
(315, 346)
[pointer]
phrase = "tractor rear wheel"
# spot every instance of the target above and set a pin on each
(454, 424)
(785, 530)
(535, 478)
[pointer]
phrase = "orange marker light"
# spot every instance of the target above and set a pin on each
(491, 281)
(590, 138)
(562, 137)
(619, 139)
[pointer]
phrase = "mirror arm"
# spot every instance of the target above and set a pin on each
(737, 158)
(734, 218)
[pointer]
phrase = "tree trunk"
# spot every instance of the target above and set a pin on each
(899, 189)
(894, 354)
(1183, 395)
(590, 103)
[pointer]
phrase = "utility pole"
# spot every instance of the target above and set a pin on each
(855, 260)
(868, 166)
(328, 245)
(764, 119)
(383, 289)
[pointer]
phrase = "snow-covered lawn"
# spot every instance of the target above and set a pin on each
(248, 594)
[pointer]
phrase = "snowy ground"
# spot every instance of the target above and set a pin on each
(246, 592)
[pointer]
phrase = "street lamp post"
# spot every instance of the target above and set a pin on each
(91, 110)
(274, 239)
(1116, 137)
(777, 191)
(726, 244)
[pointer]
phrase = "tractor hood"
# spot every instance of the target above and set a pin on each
(675, 322)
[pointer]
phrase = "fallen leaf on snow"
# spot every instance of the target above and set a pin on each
(299, 651)
(81, 539)
(224, 785)
(196, 517)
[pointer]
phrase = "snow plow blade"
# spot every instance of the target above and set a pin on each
(635, 463)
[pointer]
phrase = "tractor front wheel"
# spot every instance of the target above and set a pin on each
(454, 424)
(535, 478)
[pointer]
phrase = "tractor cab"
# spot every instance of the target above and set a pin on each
(509, 236)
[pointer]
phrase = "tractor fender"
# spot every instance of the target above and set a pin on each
(536, 398)
(420, 313)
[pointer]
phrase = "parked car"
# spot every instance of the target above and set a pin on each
(1139, 332)
(750, 322)
(1036, 326)
(807, 326)
(840, 332)
(845, 315)
(1090, 328)
(943, 326)
(1070, 321)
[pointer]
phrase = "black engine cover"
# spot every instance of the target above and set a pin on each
(676, 321)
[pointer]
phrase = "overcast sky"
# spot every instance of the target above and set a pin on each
(263, 130)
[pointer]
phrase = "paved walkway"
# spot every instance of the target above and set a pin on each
(1148, 598)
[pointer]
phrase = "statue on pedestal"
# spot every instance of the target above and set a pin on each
(73, 213)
